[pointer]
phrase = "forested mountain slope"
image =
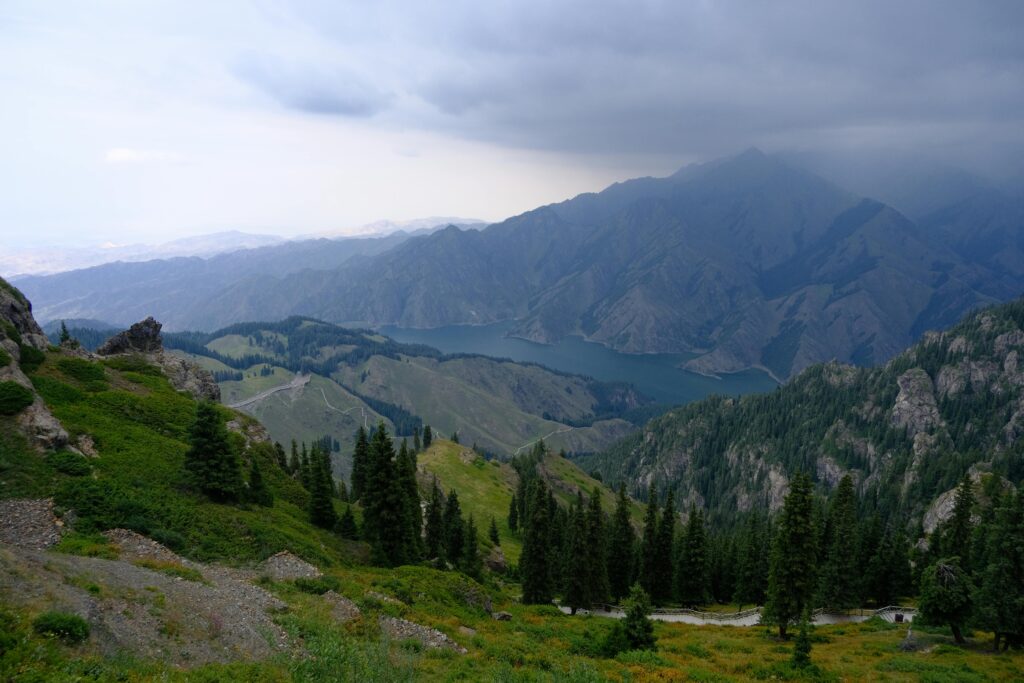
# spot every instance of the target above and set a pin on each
(907, 431)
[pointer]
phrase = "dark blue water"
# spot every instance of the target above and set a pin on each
(657, 375)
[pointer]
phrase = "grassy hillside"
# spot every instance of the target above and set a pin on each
(500, 405)
(481, 399)
(139, 426)
(485, 487)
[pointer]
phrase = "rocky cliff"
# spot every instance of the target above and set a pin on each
(21, 344)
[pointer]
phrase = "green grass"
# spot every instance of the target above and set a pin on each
(484, 488)
(140, 424)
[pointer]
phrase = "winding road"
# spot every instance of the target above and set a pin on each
(297, 382)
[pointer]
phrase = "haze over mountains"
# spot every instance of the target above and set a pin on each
(744, 262)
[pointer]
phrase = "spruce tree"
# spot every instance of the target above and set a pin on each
(946, 595)
(434, 531)
(406, 465)
(65, 336)
(649, 545)
(321, 507)
(455, 437)
(384, 510)
(347, 525)
(958, 531)
(692, 579)
(534, 564)
(801, 658)
(282, 459)
(637, 623)
(999, 598)
(293, 462)
(596, 550)
(470, 562)
(513, 514)
(258, 491)
(577, 595)
(664, 557)
(454, 530)
(360, 460)
(428, 437)
(751, 576)
(838, 581)
(416, 446)
(492, 533)
(211, 463)
(621, 544)
(791, 579)
(305, 469)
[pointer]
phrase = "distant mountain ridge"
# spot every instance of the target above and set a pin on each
(743, 262)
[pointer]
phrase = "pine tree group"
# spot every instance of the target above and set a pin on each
(211, 463)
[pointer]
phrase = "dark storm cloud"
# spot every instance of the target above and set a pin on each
(691, 77)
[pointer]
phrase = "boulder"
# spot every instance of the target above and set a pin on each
(502, 616)
(400, 629)
(142, 337)
(284, 566)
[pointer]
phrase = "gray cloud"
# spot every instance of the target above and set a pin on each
(314, 89)
(696, 78)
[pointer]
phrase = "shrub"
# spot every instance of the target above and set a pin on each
(14, 398)
(10, 331)
(31, 358)
(8, 632)
(319, 585)
(5, 358)
(70, 628)
(166, 537)
(87, 545)
(81, 369)
(134, 363)
(55, 392)
(69, 463)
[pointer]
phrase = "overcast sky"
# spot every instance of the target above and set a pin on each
(145, 121)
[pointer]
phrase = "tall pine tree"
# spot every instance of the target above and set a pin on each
(534, 563)
(838, 582)
(454, 529)
(692, 579)
(791, 576)
(621, 544)
(664, 557)
(385, 522)
(434, 532)
(596, 550)
(647, 569)
(211, 463)
(360, 458)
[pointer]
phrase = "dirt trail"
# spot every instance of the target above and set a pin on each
(297, 382)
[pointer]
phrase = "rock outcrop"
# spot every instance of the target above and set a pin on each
(142, 337)
(915, 409)
(19, 333)
(16, 311)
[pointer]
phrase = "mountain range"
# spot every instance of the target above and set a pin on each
(743, 262)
